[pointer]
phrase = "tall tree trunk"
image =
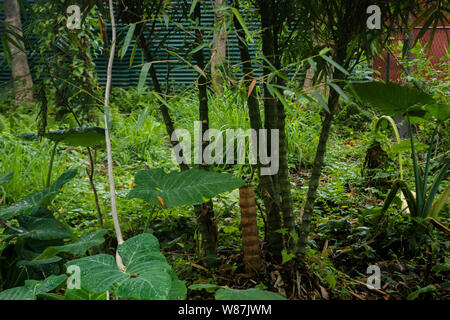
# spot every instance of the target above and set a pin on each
(285, 184)
(333, 100)
(205, 213)
(20, 70)
(219, 47)
(270, 185)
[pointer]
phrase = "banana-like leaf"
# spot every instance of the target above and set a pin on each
(181, 188)
(33, 288)
(248, 294)
(147, 276)
(35, 200)
(86, 241)
(391, 99)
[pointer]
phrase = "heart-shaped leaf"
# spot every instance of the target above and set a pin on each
(147, 275)
(391, 99)
(181, 188)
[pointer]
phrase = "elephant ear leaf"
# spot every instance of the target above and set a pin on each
(181, 188)
(147, 275)
(78, 137)
(391, 99)
(439, 111)
(32, 288)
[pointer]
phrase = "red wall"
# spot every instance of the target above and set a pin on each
(438, 49)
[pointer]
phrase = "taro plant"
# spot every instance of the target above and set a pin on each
(145, 273)
(189, 187)
(31, 241)
(416, 106)
(75, 137)
(28, 229)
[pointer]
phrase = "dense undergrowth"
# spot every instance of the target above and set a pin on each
(350, 232)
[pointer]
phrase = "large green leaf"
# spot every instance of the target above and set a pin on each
(35, 200)
(78, 137)
(147, 275)
(41, 226)
(181, 188)
(82, 294)
(86, 241)
(439, 111)
(391, 99)
(33, 288)
(405, 145)
(248, 294)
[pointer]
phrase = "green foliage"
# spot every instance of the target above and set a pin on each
(35, 200)
(86, 241)
(6, 178)
(82, 294)
(33, 288)
(181, 188)
(391, 99)
(147, 276)
(79, 137)
(247, 294)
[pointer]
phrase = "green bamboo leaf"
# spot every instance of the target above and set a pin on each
(334, 63)
(143, 76)
(339, 91)
(242, 23)
(127, 40)
(321, 101)
(141, 120)
(193, 5)
(312, 64)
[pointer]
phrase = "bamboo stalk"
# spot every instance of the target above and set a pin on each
(250, 241)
